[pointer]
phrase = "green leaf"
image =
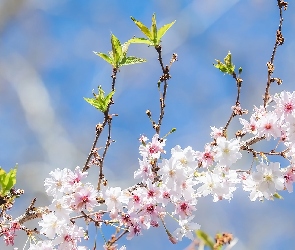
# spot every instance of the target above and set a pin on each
(2, 172)
(95, 103)
(154, 31)
(99, 101)
(116, 49)
(164, 29)
(140, 40)
(154, 36)
(145, 30)
(108, 99)
(205, 238)
(227, 59)
(227, 67)
(104, 57)
(131, 60)
(125, 47)
(7, 180)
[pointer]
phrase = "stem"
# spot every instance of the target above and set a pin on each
(279, 41)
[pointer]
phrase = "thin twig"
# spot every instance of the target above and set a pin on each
(164, 78)
(99, 128)
(279, 41)
(237, 104)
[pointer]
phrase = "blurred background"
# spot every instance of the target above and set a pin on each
(47, 67)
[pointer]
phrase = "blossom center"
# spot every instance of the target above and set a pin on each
(268, 178)
(153, 149)
(288, 107)
(267, 126)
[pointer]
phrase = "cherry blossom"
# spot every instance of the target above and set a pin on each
(153, 149)
(206, 158)
(227, 152)
(85, 197)
(114, 198)
(216, 132)
(186, 228)
(269, 179)
(285, 103)
(269, 126)
(51, 225)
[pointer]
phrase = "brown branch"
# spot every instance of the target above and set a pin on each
(236, 109)
(115, 239)
(101, 160)
(32, 212)
(251, 141)
(279, 41)
(164, 78)
(99, 129)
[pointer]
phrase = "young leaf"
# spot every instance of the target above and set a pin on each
(164, 29)
(125, 47)
(227, 67)
(116, 49)
(95, 103)
(7, 180)
(140, 40)
(107, 99)
(154, 36)
(104, 57)
(145, 30)
(154, 30)
(227, 59)
(99, 101)
(131, 60)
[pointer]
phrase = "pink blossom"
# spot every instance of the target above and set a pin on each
(145, 171)
(269, 126)
(152, 150)
(69, 237)
(289, 177)
(77, 176)
(249, 127)
(216, 132)
(185, 208)
(134, 230)
(285, 103)
(9, 235)
(85, 197)
(206, 158)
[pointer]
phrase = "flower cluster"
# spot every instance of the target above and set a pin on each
(173, 186)
(278, 123)
(169, 186)
(69, 195)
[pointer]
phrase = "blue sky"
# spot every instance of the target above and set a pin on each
(47, 67)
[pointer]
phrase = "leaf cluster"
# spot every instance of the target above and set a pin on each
(100, 101)
(7, 181)
(153, 35)
(227, 67)
(118, 56)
